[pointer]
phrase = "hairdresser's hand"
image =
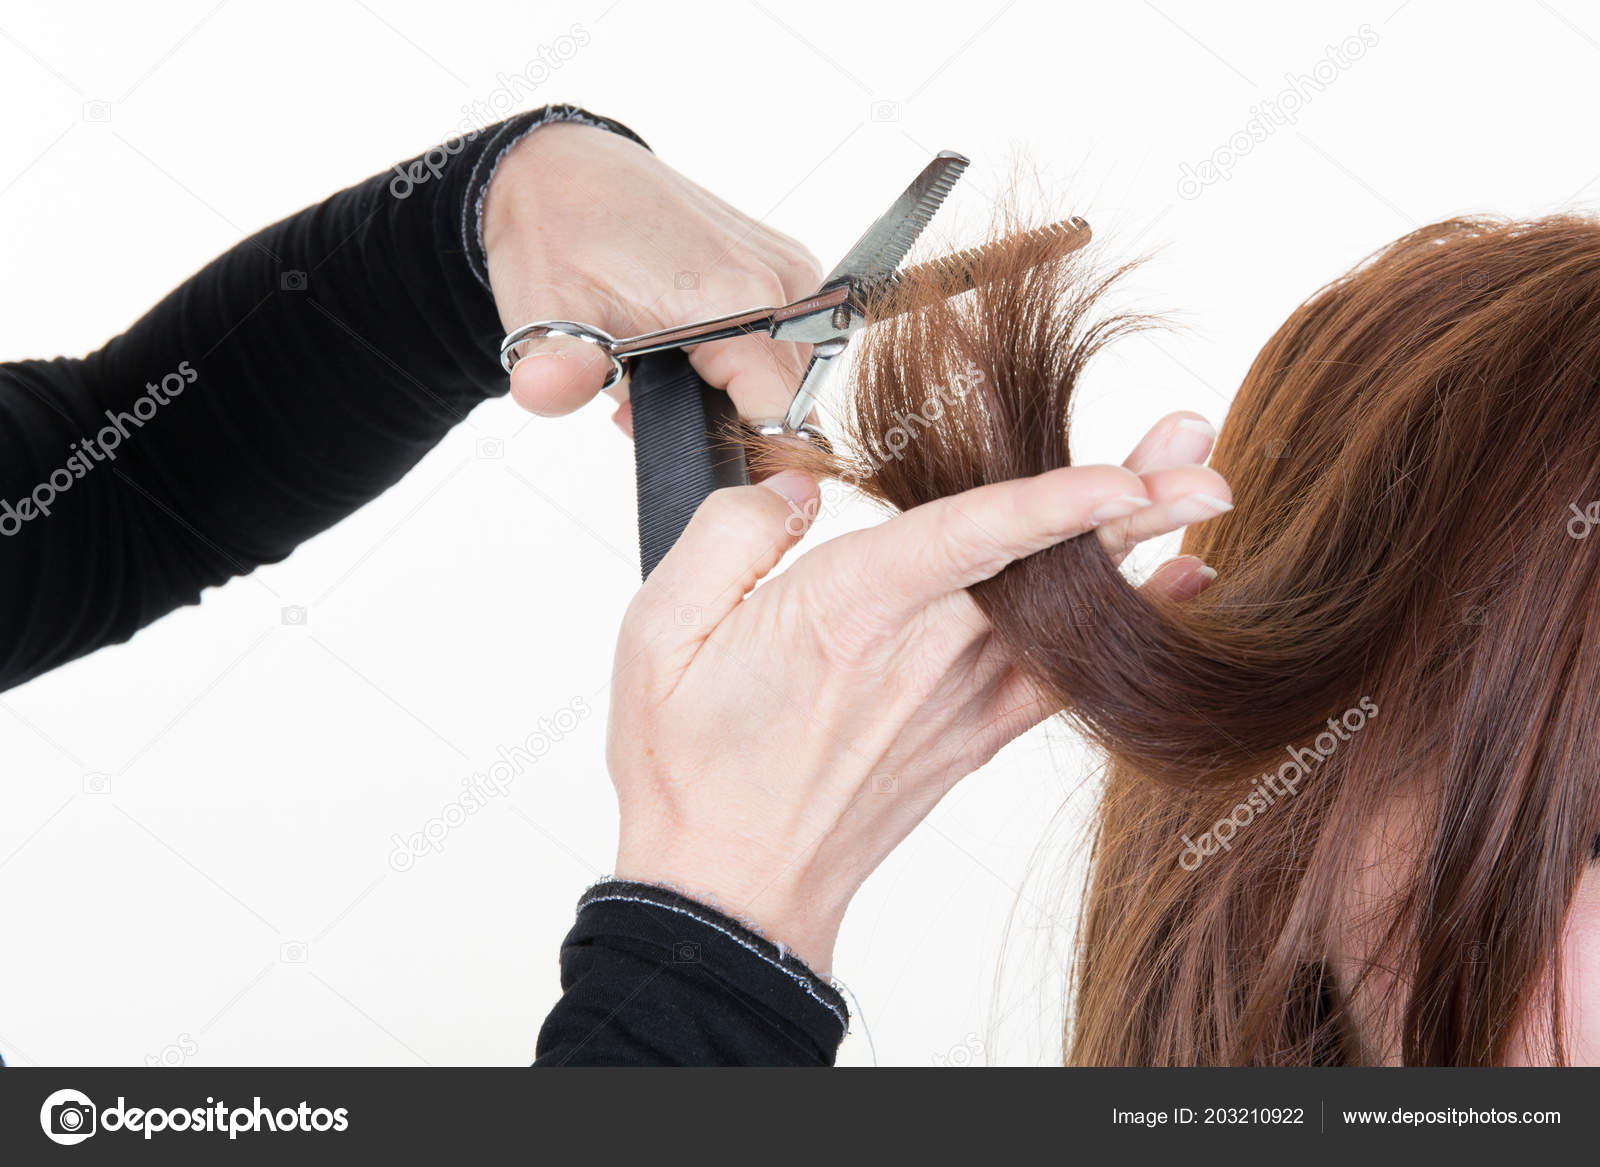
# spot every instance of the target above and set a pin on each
(582, 224)
(770, 748)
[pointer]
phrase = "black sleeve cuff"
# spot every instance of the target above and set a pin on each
(651, 977)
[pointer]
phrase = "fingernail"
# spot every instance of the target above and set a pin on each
(1191, 441)
(1206, 572)
(795, 486)
(1116, 508)
(1195, 507)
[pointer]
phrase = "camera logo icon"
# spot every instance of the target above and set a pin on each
(292, 281)
(67, 1117)
(294, 614)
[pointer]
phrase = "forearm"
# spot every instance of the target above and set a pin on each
(288, 382)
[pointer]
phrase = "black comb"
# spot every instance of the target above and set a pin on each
(683, 449)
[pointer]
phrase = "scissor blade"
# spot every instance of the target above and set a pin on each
(878, 252)
(949, 275)
(956, 272)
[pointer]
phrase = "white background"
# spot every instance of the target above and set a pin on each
(194, 828)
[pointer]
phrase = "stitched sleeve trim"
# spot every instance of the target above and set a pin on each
(774, 955)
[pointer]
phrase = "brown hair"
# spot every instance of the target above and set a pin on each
(1401, 575)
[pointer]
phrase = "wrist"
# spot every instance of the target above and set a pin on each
(537, 151)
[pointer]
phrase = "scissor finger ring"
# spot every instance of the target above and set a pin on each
(601, 339)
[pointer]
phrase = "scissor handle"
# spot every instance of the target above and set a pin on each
(681, 448)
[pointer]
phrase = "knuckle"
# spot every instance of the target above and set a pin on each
(637, 617)
(801, 267)
(766, 285)
(740, 286)
(715, 286)
(964, 615)
(852, 631)
(794, 258)
(966, 546)
(850, 637)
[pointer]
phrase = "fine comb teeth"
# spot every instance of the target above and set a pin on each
(953, 273)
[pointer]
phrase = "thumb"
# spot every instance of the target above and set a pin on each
(557, 374)
(735, 538)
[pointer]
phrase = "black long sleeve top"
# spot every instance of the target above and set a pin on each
(289, 381)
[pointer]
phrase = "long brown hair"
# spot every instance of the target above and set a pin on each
(1406, 616)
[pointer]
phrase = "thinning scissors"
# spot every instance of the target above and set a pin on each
(681, 450)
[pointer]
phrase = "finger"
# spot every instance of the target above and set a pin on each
(799, 270)
(557, 374)
(734, 539)
(759, 373)
(951, 543)
(560, 379)
(623, 418)
(1179, 439)
(1179, 496)
(1179, 579)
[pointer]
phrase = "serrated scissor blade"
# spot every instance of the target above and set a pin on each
(878, 252)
